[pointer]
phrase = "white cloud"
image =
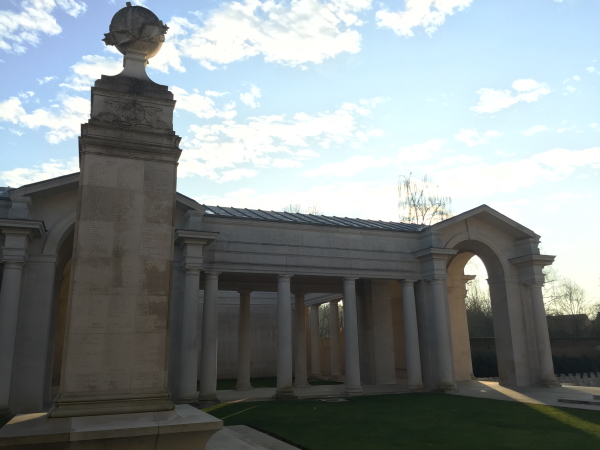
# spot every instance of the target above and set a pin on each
(570, 89)
(291, 33)
(535, 129)
(215, 147)
(493, 100)
(473, 137)
(592, 70)
(563, 129)
(54, 168)
(46, 80)
(17, 132)
(367, 200)
(237, 174)
(429, 14)
(347, 168)
(64, 123)
(576, 77)
(249, 98)
(481, 180)
(89, 69)
(20, 29)
(593, 125)
(215, 93)
(202, 106)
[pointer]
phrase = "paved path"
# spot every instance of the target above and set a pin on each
(322, 391)
(240, 437)
(535, 395)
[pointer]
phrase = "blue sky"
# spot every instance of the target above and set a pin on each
(328, 102)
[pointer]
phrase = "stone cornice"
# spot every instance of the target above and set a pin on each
(34, 228)
(537, 260)
(191, 237)
(434, 253)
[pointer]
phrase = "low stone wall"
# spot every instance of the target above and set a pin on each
(570, 347)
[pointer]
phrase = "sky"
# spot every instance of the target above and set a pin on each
(328, 102)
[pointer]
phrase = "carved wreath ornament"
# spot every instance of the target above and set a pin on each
(133, 113)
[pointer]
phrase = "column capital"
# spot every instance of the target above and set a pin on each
(212, 274)
(408, 281)
(245, 292)
(436, 280)
(283, 276)
(350, 279)
(192, 268)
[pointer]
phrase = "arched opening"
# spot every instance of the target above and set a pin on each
(62, 280)
(488, 317)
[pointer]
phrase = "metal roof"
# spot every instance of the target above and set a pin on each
(310, 219)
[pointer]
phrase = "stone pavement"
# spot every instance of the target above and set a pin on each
(535, 395)
(240, 437)
(322, 391)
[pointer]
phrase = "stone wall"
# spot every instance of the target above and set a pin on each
(571, 347)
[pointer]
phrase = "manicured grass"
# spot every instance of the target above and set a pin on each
(418, 421)
(264, 382)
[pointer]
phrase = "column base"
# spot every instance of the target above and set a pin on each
(285, 394)
(184, 427)
(549, 383)
(188, 399)
(302, 385)
(416, 388)
(353, 392)
(446, 388)
(243, 388)
(336, 378)
(204, 401)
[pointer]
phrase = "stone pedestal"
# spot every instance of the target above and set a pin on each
(181, 429)
(116, 345)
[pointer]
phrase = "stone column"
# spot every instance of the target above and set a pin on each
(284, 339)
(210, 328)
(351, 339)
(191, 243)
(188, 377)
(243, 373)
(315, 354)
(334, 340)
(14, 256)
(442, 336)
(411, 337)
(542, 337)
(301, 362)
(9, 310)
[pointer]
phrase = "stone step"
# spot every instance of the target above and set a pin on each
(595, 402)
(240, 437)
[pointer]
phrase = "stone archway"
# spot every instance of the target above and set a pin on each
(62, 280)
(456, 281)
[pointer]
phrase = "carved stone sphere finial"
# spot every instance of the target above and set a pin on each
(139, 35)
(136, 28)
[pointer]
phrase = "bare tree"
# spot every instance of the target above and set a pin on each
(314, 209)
(564, 296)
(420, 202)
(479, 310)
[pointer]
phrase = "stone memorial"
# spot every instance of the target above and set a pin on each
(114, 374)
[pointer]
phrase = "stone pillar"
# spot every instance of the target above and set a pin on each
(315, 354)
(352, 377)
(442, 336)
(14, 256)
(9, 311)
(542, 337)
(188, 376)
(411, 337)
(301, 380)
(191, 243)
(243, 372)
(284, 339)
(334, 340)
(210, 328)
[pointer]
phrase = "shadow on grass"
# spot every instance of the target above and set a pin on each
(415, 421)
(265, 382)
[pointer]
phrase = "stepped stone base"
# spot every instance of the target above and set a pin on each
(183, 428)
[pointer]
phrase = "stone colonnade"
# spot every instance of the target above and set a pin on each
(285, 352)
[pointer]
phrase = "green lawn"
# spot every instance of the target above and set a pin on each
(418, 421)
(264, 382)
